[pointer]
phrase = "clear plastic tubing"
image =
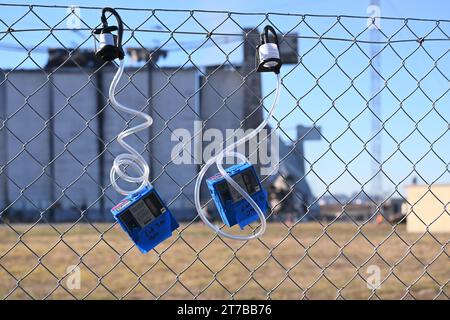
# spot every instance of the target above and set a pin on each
(228, 152)
(132, 159)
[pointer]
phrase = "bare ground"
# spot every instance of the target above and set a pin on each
(310, 262)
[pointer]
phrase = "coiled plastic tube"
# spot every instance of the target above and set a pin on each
(132, 159)
(219, 162)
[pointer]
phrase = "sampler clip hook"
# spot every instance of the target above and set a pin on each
(110, 45)
(268, 53)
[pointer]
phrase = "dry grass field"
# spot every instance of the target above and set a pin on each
(310, 263)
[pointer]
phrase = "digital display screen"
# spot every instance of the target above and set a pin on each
(250, 181)
(154, 204)
(235, 195)
(142, 212)
(246, 180)
(128, 220)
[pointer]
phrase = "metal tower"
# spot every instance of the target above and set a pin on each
(377, 182)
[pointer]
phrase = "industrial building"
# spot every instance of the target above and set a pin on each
(58, 140)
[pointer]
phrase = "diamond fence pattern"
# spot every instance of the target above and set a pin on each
(303, 255)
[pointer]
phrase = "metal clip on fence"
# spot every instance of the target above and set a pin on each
(142, 214)
(237, 191)
(267, 53)
(110, 45)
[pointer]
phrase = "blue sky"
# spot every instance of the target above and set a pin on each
(400, 108)
(433, 9)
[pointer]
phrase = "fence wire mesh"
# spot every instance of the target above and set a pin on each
(359, 211)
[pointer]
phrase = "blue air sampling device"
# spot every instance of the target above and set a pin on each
(237, 191)
(145, 218)
(142, 214)
(232, 206)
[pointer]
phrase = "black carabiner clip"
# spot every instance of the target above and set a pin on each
(265, 35)
(267, 53)
(110, 46)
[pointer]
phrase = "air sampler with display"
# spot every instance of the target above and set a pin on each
(237, 191)
(142, 213)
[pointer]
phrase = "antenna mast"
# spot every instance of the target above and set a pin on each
(375, 105)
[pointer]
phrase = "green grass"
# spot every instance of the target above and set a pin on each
(316, 264)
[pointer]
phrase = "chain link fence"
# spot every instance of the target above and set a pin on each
(360, 191)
